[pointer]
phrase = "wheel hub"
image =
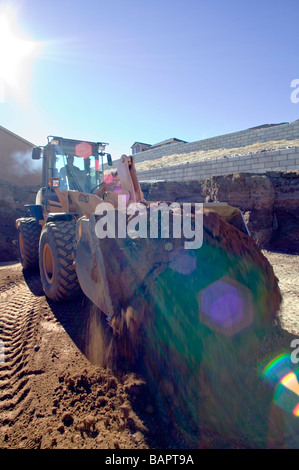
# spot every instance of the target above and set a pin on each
(48, 263)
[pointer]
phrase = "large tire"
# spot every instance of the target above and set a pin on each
(28, 242)
(56, 262)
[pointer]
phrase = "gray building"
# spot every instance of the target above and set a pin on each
(139, 147)
(16, 165)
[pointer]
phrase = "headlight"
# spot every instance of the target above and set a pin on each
(55, 183)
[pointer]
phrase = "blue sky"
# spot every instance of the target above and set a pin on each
(126, 71)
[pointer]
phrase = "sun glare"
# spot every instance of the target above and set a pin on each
(16, 54)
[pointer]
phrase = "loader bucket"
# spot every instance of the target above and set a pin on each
(192, 314)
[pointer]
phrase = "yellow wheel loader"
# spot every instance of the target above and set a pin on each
(183, 286)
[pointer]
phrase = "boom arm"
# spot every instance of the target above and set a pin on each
(127, 181)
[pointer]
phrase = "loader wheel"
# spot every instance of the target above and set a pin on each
(28, 241)
(57, 269)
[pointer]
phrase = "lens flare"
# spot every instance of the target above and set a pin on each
(277, 369)
(278, 373)
(296, 410)
(286, 394)
(290, 381)
(226, 306)
(183, 263)
(83, 150)
(108, 178)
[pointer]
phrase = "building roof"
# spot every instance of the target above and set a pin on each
(140, 143)
(168, 141)
(263, 126)
(17, 136)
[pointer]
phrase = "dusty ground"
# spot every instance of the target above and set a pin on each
(52, 395)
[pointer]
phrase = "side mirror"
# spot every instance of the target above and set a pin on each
(109, 159)
(36, 153)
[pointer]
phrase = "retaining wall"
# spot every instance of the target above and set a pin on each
(286, 131)
(274, 160)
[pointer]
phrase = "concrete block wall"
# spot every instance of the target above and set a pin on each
(274, 160)
(288, 131)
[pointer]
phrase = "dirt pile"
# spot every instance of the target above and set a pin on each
(268, 201)
(51, 394)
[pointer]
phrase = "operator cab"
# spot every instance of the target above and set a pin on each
(78, 174)
(78, 164)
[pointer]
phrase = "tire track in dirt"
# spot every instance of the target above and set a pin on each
(19, 311)
(51, 395)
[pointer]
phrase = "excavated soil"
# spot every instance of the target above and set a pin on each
(55, 394)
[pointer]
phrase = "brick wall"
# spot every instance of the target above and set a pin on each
(288, 131)
(274, 160)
